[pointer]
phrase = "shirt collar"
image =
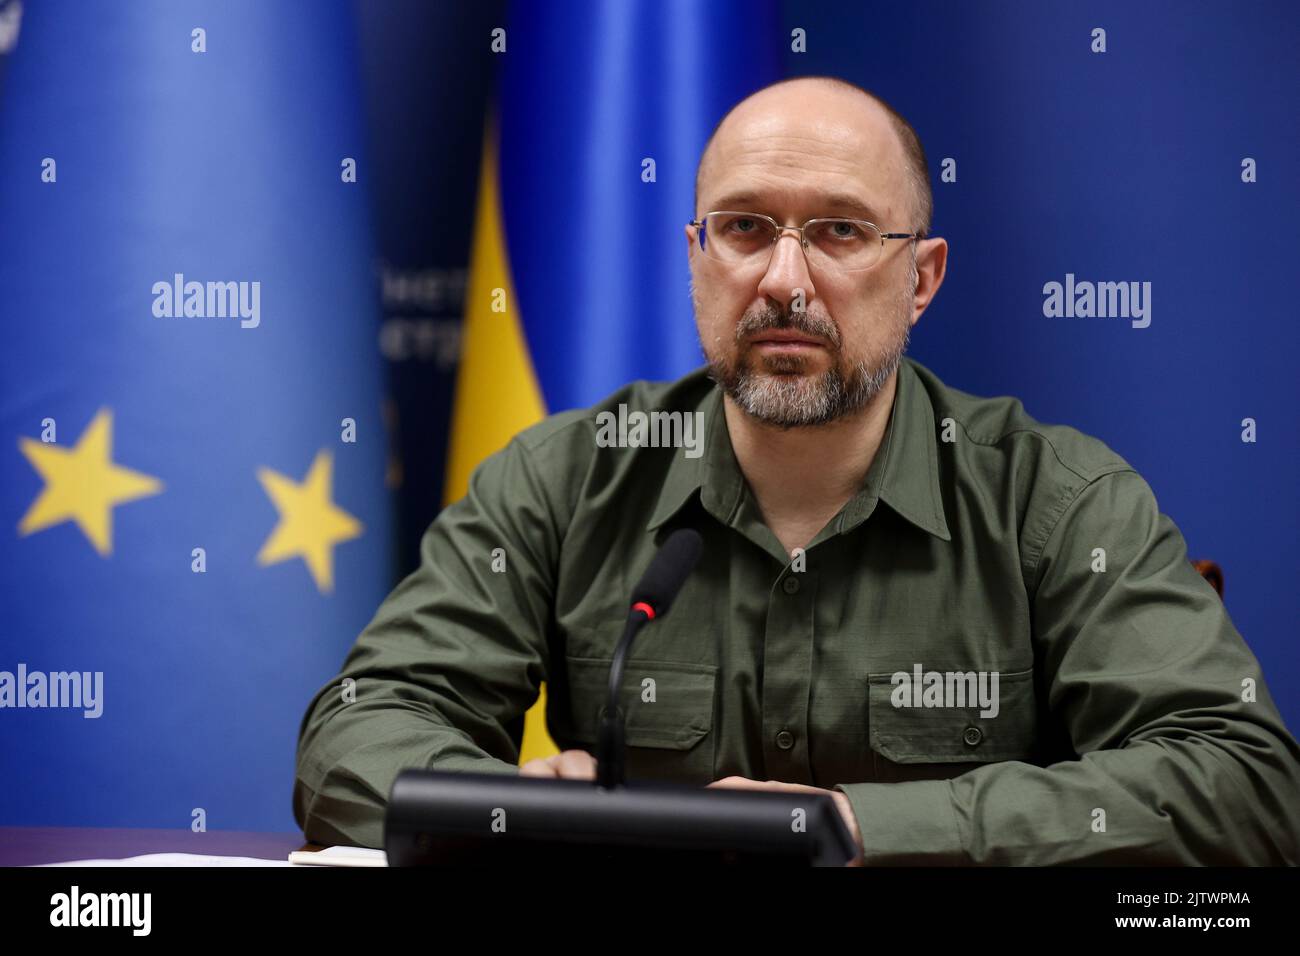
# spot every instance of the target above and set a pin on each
(715, 471)
(904, 473)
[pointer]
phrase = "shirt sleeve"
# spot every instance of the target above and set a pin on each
(1183, 758)
(445, 671)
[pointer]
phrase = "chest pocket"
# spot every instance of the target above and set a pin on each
(952, 738)
(668, 707)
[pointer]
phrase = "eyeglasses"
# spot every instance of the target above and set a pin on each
(836, 245)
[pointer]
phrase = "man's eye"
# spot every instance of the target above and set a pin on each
(841, 232)
(744, 225)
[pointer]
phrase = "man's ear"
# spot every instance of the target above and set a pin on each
(931, 266)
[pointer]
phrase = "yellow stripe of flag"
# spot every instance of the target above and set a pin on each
(497, 394)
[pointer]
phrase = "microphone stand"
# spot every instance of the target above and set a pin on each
(609, 743)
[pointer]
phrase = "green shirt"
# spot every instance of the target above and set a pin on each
(982, 544)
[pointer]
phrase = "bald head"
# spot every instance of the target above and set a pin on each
(854, 123)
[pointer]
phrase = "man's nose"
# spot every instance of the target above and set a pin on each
(787, 271)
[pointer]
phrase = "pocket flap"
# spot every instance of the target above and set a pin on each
(678, 717)
(951, 733)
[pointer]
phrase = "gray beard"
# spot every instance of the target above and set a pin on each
(778, 397)
(794, 402)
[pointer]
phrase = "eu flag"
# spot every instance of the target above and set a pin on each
(194, 514)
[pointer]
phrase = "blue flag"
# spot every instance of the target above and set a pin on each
(194, 514)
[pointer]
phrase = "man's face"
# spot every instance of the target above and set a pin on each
(788, 153)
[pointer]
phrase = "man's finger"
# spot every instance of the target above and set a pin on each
(739, 783)
(538, 767)
(576, 765)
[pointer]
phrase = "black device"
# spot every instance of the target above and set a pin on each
(477, 819)
(486, 819)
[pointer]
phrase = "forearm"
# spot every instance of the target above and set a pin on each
(442, 676)
(345, 773)
(1155, 802)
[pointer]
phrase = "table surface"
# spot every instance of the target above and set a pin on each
(27, 846)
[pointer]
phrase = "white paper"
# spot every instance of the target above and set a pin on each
(176, 859)
(330, 856)
(340, 856)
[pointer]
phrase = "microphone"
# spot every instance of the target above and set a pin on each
(651, 598)
(671, 566)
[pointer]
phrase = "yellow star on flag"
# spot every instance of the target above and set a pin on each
(310, 524)
(82, 484)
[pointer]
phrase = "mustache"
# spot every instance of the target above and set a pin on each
(775, 319)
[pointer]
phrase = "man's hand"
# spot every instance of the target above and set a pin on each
(841, 801)
(569, 765)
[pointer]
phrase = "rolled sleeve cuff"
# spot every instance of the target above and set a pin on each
(910, 823)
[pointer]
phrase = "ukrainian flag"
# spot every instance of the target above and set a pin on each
(578, 277)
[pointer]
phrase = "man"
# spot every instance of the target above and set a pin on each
(974, 631)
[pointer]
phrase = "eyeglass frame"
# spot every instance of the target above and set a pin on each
(803, 239)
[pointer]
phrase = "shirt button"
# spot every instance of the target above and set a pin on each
(972, 736)
(785, 740)
(790, 585)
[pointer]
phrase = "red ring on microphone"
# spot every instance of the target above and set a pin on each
(645, 609)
